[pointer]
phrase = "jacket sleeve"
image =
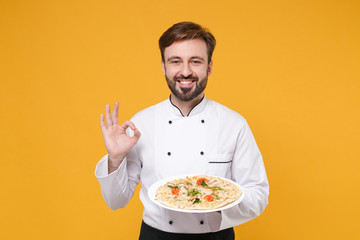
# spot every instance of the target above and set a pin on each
(118, 187)
(249, 172)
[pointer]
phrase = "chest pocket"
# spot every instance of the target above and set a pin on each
(220, 165)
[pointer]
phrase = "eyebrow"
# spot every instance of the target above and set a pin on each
(173, 57)
(193, 57)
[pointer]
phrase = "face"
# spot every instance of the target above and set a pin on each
(186, 68)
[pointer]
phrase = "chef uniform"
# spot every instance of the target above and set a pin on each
(211, 140)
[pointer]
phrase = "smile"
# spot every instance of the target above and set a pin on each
(186, 83)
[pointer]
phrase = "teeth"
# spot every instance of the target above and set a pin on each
(185, 82)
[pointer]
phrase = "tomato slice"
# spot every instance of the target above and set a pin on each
(209, 198)
(200, 180)
(175, 191)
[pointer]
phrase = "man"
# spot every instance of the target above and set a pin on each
(186, 134)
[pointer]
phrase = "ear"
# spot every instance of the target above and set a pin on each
(163, 67)
(210, 66)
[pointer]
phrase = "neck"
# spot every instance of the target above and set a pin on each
(186, 106)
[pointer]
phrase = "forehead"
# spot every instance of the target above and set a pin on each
(186, 49)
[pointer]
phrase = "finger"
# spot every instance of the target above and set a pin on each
(102, 123)
(137, 133)
(127, 124)
(108, 116)
(115, 118)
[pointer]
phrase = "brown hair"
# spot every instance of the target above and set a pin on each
(186, 31)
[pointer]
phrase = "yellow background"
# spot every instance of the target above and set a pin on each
(291, 68)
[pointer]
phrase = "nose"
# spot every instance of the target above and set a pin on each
(186, 70)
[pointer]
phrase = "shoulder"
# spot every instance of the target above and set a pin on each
(148, 114)
(226, 114)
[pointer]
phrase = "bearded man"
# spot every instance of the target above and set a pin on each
(183, 135)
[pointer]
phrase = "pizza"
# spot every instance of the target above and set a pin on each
(200, 192)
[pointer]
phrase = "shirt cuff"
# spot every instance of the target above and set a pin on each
(102, 170)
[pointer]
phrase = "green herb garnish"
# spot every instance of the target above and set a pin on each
(217, 188)
(188, 183)
(192, 192)
(197, 200)
(172, 186)
(203, 183)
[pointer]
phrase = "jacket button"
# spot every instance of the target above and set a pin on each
(202, 121)
(201, 222)
(170, 122)
(169, 153)
(202, 153)
(170, 222)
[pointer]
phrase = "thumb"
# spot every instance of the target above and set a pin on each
(137, 133)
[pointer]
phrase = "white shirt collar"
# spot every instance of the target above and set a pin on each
(198, 108)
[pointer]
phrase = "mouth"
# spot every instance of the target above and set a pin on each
(185, 83)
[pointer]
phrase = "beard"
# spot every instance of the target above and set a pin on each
(187, 94)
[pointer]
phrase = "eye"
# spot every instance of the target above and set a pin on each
(174, 61)
(197, 62)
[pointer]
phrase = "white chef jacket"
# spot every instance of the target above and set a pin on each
(212, 140)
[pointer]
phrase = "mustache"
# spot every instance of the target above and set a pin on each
(191, 77)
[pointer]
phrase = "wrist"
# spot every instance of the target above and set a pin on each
(116, 158)
(114, 162)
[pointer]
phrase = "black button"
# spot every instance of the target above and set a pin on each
(170, 122)
(169, 153)
(170, 222)
(202, 153)
(202, 121)
(201, 222)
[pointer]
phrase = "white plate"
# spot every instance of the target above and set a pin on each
(154, 187)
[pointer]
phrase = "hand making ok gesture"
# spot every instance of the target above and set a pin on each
(117, 142)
